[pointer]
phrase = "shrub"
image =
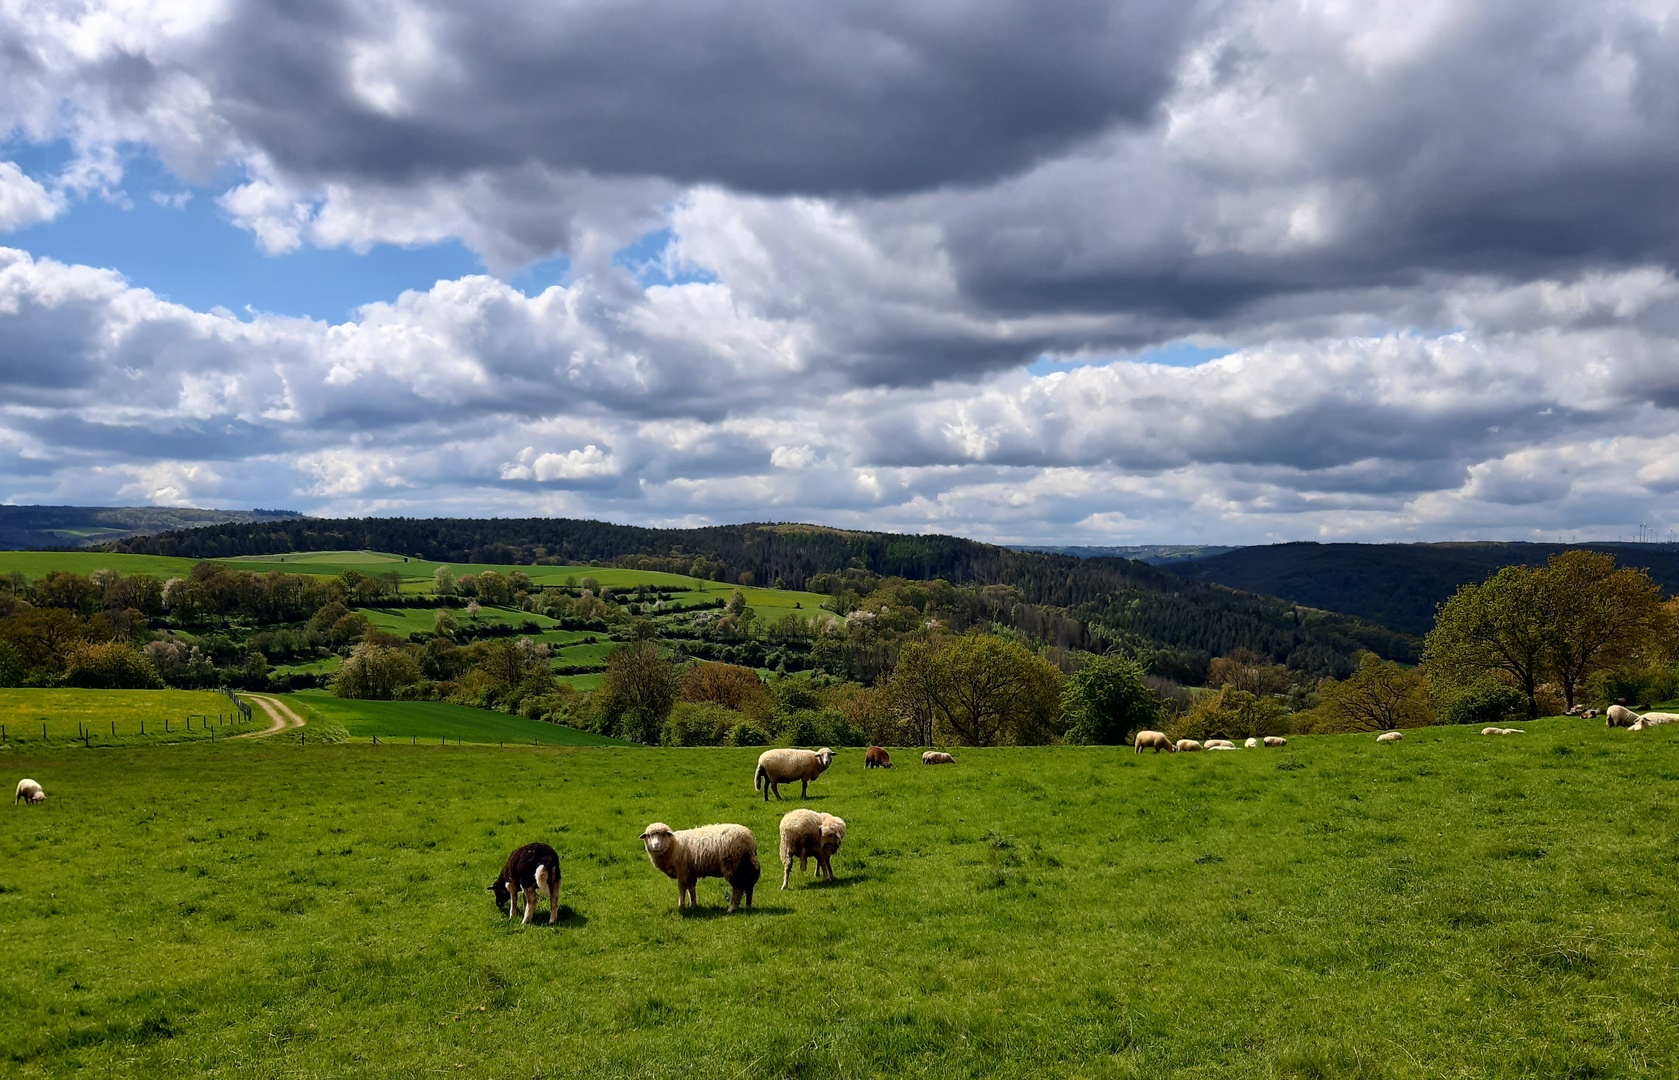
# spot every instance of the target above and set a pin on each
(1231, 714)
(1107, 702)
(110, 665)
(698, 724)
(1486, 701)
(1637, 685)
(821, 727)
(747, 733)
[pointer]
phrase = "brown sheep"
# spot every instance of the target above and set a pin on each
(532, 869)
(876, 758)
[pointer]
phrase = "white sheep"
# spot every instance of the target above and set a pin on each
(1187, 745)
(1389, 736)
(1232, 749)
(729, 852)
(777, 767)
(1619, 716)
(805, 834)
(28, 791)
(1156, 741)
(1502, 731)
(937, 757)
(1654, 719)
(1251, 744)
(1218, 744)
(1275, 740)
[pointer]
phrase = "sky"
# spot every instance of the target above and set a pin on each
(1086, 273)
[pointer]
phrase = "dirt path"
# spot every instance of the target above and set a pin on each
(279, 712)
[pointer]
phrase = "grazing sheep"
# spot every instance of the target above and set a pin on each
(805, 834)
(1156, 741)
(1218, 744)
(1501, 731)
(1389, 736)
(1619, 716)
(531, 869)
(30, 792)
(1274, 740)
(937, 757)
(1589, 714)
(876, 758)
(1230, 748)
(1187, 745)
(729, 852)
(777, 767)
(1653, 719)
(1251, 744)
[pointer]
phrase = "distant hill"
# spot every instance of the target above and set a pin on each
(1153, 554)
(24, 528)
(1396, 585)
(1115, 600)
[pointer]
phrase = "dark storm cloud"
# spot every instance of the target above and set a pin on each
(786, 97)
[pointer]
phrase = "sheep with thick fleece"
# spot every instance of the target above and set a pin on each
(1389, 736)
(729, 852)
(1186, 746)
(1619, 716)
(1653, 719)
(1251, 744)
(28, 791)
(1156, 741)
(805, 835)
(1501, 731)
(1218, 744)
(876, 757)
(1274, 741)
(937, 757)
(777, 767)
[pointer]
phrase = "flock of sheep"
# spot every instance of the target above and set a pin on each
(1158, 741)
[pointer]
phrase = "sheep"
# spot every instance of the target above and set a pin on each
(1619, 716)
(1218, 744)
(806, 834)
(876, 758)
(1230, 748)
(1389, 736)
(531, 869)
(777, 767)
(1653, 719)
(1275, 740)
(1589, 714)
(29, 792)
(937, 757)
(1251, 744)
(1156, 741)
(729, 852)
(1501, 731)
(1187, 745)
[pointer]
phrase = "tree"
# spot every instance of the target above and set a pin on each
(1380, 696)
(980, 690)
(1598, 617)
(493, 588)
(638, 690)
(728, 685)
(1107, 701)
(1497, 625)
(443, 581)
(374, 672)
(444, 623)
(1231, 714)
(110, 665)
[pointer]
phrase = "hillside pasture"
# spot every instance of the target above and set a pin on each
(168, 716)
(1449, 906)
(432, 721)
(35, 565)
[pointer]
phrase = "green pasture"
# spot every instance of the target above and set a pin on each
(586, 683)
(38, 564)
(1449, 906)
(436, 720)
(404, 621)
(116, 717)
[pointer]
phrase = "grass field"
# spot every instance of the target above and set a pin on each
(435, 720)
(1450, 906)
(37, 564)
(164, 714)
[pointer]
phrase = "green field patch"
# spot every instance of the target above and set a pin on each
(118, 717)
(321, 911)
(38, 564)
(433, 721)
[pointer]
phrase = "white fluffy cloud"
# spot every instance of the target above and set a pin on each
(1438, 240)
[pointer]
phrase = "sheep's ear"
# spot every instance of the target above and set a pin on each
(643, 836)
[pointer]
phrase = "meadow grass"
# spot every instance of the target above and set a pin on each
(430, 721)
(1450, 906)
(168, 716)
(38, 564)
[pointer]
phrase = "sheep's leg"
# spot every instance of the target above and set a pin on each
(734, 899)
(512, 898)
(786, 872)
(553, 903)
(530, 906)
(804, 789)
(777, 792)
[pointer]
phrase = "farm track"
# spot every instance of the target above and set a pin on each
(279, 712)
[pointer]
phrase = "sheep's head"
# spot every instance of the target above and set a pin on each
(503, 896)
(833, 832)
(658, 838)
(825, 757)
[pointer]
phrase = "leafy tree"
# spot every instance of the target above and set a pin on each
(1485, 701)
(110, 665)
(1496, 626)
(1231, 714)
(1380, 696)
(728, 685)
(1107, 701)
(638, 690)
(375, 672)
(1598, 616)
(11, 666)
(443, 581)
(444, 623)
(493, 588)
(980, 690)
